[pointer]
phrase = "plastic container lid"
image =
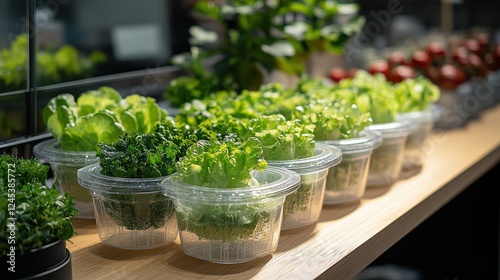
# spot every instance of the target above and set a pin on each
(325, 157)
(367, 140)
(431, 115)
(395, 129)
(90, 177)
(50, 151)
(275, 182)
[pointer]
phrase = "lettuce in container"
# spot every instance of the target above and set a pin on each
(290, 144)
(416, 100)
(228, 201)
(131, 211)
(340, 123)
(376, 95)
(77, 126)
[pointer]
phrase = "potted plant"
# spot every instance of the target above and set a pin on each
(77, 127)
(131, 211)
(416, 104)
(228, 202)
(36, 222)
(374, 94)
(320, 30)
(339, 123)
(290, 144)
(248, 44)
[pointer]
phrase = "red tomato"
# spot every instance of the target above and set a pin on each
(396, 58)
(401, 72)
(451, 76)
(420, 60)
(379, 66)
(337, 73)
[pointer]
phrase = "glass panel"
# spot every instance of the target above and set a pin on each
(12, 116)
(13, 49)
(87, 38)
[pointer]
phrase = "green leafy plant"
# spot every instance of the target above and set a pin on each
(135, 155)
(282, 139)
(100, 115)
(415, 94)
(248, 44)
(371, 93)
(40, 214)
(217, 164)
(315, 28)
(333, 119)
(222, 165)
(198, 84)
(337, 116)
(287, 140)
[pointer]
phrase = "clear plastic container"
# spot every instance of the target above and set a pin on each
(64, 165)
(387, 160)
(131, 213)
(303, 207)
(232, 225)
(415, 149)
(346, 181)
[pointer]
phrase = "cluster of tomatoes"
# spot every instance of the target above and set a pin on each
(447, 63)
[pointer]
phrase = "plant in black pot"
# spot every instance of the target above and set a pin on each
(35, 222)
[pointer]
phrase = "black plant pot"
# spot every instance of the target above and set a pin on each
(49, 262)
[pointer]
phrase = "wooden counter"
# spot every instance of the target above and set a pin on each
(346, 239)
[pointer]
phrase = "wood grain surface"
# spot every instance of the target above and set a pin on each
(346, 238)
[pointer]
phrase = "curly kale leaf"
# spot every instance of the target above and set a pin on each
(138, 156)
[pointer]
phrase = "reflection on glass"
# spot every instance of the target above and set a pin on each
(54, 65)
(12, 59)
(12, 116)
(13, 65)
(129, 35)
(66, 63)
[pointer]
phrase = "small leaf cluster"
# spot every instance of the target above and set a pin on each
(31, 214)
(138, 156)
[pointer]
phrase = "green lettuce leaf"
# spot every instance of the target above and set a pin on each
(282, 139)
(218, 164)
(90, 130)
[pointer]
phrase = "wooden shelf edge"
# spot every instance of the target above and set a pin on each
(370, 250)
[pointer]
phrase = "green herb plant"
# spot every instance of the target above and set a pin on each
(41, 215)
(135, 155)
(312, 24)
(199, 83)
(249, 44)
